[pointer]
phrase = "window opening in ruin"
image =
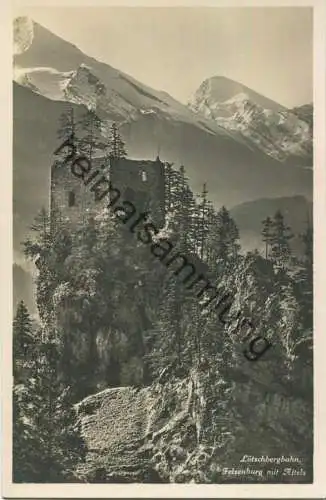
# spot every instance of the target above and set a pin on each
(71, 199)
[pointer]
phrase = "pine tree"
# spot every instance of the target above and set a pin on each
(45, 425)
(305, 278)
(267, 234)
(281, 251)
(41, 228)
(165, 340)
(67, 122)
(180, 200)
(26, 450)
(66, 132)
(23, 340)
(226, 236)
(168, 176)
(307, 239)
(48, 248)
(187, 202)
(175, 185)
(210, 250)
(193, 223)
(90, 124)
(202, 222)
(117, 149)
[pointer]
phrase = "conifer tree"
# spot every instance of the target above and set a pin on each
(48, 247)
(117, 148)
(210, 250)
(165, 339)
(180, 204)
(23, 340)
(281, 251)
(91, 126)
(226, 236)
(307, 239)
(187, 203)
(168, 176)
(202, 222)
(305, 277)
(267, 234)
(193, 223)
(45, 425)
(67, 131)
(176, 183)
(26, 450)
(67, 127)
(41, 228)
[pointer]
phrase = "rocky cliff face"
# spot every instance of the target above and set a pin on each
(196, 426)
(154, 434)
(180, 432)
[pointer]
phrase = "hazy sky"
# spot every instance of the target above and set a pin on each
(175, 49)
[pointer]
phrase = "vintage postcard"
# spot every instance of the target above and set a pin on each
(166, 266)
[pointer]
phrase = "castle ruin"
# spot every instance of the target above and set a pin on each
(141, 182)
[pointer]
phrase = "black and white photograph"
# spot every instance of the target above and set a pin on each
(163, 245)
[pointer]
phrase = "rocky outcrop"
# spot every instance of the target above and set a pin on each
(154, 434)
(189, 430)
(114, 424)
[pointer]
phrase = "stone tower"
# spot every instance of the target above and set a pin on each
(140, 182)
(70, 196)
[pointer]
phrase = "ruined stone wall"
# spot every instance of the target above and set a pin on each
(70, 196)
(140, 182)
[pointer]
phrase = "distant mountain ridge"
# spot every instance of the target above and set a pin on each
(281, 133)
(220, 89)
(58, 70)
(297, 212)
(219, 106)
(50, 71)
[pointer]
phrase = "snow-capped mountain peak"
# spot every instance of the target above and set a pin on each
(221, 89)
(278, 132)
(81, 79)
(58, 70)
(23, 34)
